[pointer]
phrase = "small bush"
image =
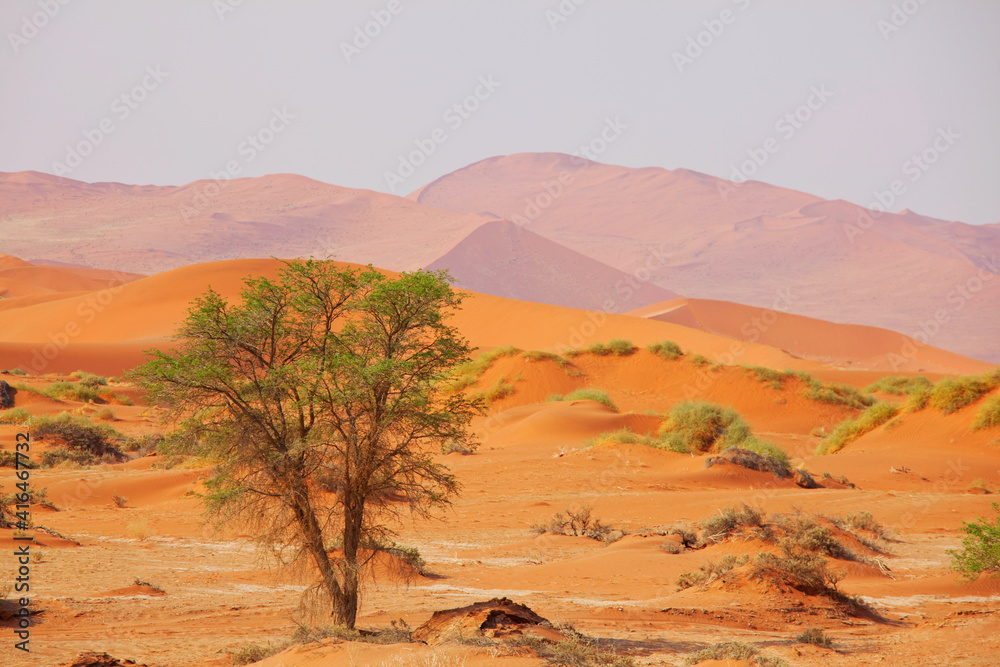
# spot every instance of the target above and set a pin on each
(621, 347)
(953, 394)
(466, 374)
(579, 523)
(980, 552)
(89, 379)
(774, 379)
(852, 429)
(734, 651)
(72, 391)
(796, 568)
(119, 501)
(834, 394)
(667, 349)
(15, 416)
(500, 388)
(701, 427)
(140, 582)
(730, 520)
(139, 530)
(711, 571)
(105, 414)
(988, 417)
(586, 394)
(13, 371)
(900, 385)
(699, 360)
(248, 654)
(815, 636)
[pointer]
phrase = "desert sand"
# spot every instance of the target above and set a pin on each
(149, 581)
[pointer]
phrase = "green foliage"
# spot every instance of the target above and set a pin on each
(318, 396)
(15, 416)
(586, 394)
(797, 568)
(774, 379)
(247, 654)
(765, 448)
(499, 389)
(698, 360)
(467, 373)
(13, 371)
(900, 385)
(988, 416)
(980, 552)
(702, 427)
(851, 429)
(667, 349)
(952, 394)
(79, 441)
(617, 346)
(71, 391)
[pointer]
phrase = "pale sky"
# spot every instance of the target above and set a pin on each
(201, 76)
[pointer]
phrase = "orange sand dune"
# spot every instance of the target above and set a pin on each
(144, 313)
(754, 243)
(847, 345)
(19, 278)
(504, 259)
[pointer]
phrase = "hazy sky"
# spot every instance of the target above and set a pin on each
(887, 81)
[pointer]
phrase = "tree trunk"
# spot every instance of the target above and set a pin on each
(353, 515)
(309, 525)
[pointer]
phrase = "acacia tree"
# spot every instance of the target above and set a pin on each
(316, 396)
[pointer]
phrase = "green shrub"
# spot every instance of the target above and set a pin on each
(988, 417)
(621, 347)
(466, 374)
(765, 448)
(80, 441)
(952, 394)
(701, 427)
(796, 568)
(918, 400)
(900, 385)
(667, 349)
(980, 553)
(852, 429)
(699, 360)
(499, 389)
(774, 379)
(14, 371)
(15, 416)
(586, 394)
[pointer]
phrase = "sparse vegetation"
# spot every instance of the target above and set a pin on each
(698, 359)
(989, 415)
(735, 651)
(900, 385)
(774, 379)
(711, 571)
(15, 416)
(468, 373)
(586, 394)
(81, 442)
(500, 388)
(980, 552)
(579, 522)
(119, 500)
(730, 520)
(617, 346)
(139, 530)
(852, 429)
(247, 654)
(105, 414)
(702, 427)
(13, 371)
(140, 582)
(89, 379)
(834, 394)
(667, 349)
(952, 394)
(815, 636)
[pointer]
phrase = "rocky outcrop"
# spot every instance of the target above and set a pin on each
(499, 617)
